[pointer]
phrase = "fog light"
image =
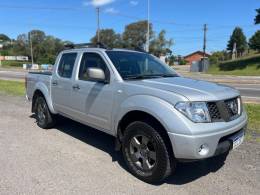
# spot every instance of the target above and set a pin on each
(203, 150)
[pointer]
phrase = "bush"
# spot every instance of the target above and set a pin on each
(213, 59)
(240, 64)
(247, 66)
(13, 63)
(182, 62)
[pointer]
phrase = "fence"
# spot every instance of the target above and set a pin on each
(15, 58)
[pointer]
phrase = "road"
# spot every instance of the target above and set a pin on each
(12, 75)
(75, 159)
(250, 92)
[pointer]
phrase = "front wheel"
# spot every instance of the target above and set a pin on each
(145, 152)
(44, 118)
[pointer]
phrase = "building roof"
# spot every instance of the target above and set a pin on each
(197, 52)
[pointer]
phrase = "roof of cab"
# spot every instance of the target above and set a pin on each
(98, 49)
(95, 47)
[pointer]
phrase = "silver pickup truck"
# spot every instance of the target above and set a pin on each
(157, 116)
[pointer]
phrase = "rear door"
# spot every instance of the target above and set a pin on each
(62, 82)
(92, 101)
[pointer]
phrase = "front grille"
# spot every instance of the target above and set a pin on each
(232, 106)
(213, 111)
(226, 110)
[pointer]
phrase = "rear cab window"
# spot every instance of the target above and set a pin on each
(66, 64)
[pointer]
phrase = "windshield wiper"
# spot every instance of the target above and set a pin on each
(169, 75)
(132, 77)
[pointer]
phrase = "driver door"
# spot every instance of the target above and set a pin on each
(92, 101)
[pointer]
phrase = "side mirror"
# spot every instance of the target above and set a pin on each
(96, 74)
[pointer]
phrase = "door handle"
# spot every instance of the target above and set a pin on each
(76, 87)
(54, 83)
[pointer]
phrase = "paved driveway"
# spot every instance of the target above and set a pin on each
(74, 159)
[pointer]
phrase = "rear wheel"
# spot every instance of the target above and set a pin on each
(145, 152)
(44, 118)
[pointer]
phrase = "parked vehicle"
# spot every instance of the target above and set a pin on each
(157, 116)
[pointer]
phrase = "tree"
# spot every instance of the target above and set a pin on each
(20, 46)
(135, 34)
(109, 38)
(239, 39)
(171, 60)
(37, 37)
(4, 38)
(45, 48)
(160, 45)
(51, 46)
(218, 56)
(6, 44)
(257, 17)
(254, 41)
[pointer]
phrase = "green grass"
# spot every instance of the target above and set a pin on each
(13, 64)
(247, 66)
(14, 88)
(253, 111)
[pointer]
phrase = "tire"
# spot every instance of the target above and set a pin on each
(44, 118)
(150, 161)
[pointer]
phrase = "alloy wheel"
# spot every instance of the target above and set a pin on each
(143, 152)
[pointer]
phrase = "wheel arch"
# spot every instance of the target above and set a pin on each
(138, 115)
(40, 92)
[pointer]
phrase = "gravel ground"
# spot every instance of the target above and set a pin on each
(75, 159)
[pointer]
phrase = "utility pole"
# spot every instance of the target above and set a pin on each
(204, 65)
(148, 26)
(0, 53)
(98, 25)
(205, 28)
(31, 46)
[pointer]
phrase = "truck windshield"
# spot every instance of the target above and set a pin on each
(136, 65)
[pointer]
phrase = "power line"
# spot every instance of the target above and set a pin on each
(124, 15)
(214, 26)
(56, 26)
(185, 27)
(188, 26)
(41, 8)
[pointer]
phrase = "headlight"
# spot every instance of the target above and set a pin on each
(195, 111)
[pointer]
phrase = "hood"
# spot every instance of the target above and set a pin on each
(194, 90)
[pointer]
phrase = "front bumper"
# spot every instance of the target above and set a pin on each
(188, 146)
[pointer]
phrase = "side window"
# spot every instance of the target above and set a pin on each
(66, 64)
(90, 60)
